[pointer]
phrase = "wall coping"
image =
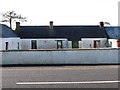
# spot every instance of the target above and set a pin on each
(70, 49)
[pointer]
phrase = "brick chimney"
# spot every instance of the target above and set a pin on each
(51, 25)
(101, 24)
(17, 26)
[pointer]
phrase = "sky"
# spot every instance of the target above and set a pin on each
(63, 12)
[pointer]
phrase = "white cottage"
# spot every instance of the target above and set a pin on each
(60, 37)
(8, 39)
(114, 43)
(114, 36)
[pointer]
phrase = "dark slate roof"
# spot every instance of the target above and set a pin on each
(6, 32)
(69, 32)
(113, 32)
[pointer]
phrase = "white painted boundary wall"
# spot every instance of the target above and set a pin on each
(77, 56)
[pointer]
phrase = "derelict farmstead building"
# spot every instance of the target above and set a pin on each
(60, 37)
(54, 37)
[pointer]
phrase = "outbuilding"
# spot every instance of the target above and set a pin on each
(64, 36)
(9, 40)
(113, 36)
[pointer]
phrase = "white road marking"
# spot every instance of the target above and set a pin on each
(87, 82)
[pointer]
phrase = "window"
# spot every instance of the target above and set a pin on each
(75, 44)
(97, 44)
(59, 44)
(6, 45)
(33, 44)
(18, 45)
(110, 44)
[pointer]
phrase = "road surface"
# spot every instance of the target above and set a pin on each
(101, 76)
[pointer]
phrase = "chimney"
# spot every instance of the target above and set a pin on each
(102, 24)
(51, 25)
(17, 26)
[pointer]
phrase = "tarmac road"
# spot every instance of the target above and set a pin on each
(103, 76)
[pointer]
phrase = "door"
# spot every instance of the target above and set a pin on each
(33, 44)
(75, 44)
(118, 43)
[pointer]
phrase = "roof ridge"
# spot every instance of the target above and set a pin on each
(64, 26)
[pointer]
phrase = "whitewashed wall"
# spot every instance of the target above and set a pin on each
(79, 56)
(42, 43)
(113, 43)
(1, 44)
(80, 44)
(47, 44)
(69, 44)
(25, 44)
(89, 42)
(12, 43)
(0, 57)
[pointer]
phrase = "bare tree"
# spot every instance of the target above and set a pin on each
(10, 16)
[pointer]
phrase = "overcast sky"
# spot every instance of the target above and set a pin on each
(64, 12)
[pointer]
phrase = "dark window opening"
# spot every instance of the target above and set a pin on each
(6, 45)
(110, 44)
(118, 43)
(33, 44)
(18, 46)
(97, 44)
(59, 44)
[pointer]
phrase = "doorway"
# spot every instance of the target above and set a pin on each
(97, 44)
(33, 44)
(75, 44)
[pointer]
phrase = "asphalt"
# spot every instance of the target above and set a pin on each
(12, 75)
